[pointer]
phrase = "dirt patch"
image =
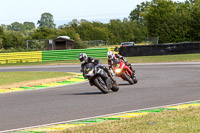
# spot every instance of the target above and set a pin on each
(36, 82)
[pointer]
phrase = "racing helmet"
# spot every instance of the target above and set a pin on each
(110, 55)
(82, 57)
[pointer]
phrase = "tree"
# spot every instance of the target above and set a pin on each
(69, 31)
(87, 31)
(1, 36)
(195, 20)
(1, 31)
(74, 23)
(13, 39)
(137, 15)
(121, 31)
(168, 20)
(16, 26)
(29, 25)
(44, 33)
(46, 21)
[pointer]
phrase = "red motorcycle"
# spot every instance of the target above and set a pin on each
(123, 71)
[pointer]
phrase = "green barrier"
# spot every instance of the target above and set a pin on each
(73, 54)
(53, 55)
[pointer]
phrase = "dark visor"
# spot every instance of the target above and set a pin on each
(110, 56)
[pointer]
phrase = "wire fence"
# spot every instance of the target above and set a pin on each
(39, 45)
(151, 41)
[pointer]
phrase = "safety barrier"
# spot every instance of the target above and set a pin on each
(53, 55)
(73, 54)
(164, 49)
(20, 57)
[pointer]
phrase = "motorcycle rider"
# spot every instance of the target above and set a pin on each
(113, 57)
(84, 59)
(116, 49)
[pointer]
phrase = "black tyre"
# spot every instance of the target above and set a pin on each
(128, 78)
(115, 87)
(135, 80)
(100, 85)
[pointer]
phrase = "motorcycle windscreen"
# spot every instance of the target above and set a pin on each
(116, 61)
(88, 67)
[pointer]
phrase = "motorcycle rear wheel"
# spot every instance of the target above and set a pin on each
(100, 86)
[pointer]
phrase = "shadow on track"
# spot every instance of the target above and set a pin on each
(123, 84)
(84, 93)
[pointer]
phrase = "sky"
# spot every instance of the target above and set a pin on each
(64, 11)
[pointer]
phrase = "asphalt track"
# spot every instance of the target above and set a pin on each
(158, 85)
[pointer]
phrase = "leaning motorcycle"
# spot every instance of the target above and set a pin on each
(123, 71)
(98, 77)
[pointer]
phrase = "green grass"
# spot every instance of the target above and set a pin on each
(165, 58)
(161, 58)
(42, 63)
(136, 59)
(182, 121)
(7, 78)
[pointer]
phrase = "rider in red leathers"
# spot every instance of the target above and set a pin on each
(114, 57)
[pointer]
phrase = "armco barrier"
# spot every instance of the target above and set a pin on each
(17, 57)
(163, 49)
(73, 54)
(54, 55)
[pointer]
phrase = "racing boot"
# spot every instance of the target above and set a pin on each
(112, 72)
(109, 74)
(134, 77)
(133, 71)
(113, 79)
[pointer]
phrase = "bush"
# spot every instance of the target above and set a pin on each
(80, 45)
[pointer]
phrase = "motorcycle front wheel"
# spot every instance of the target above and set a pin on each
(115, 87)
(100, 84)
(128, 78)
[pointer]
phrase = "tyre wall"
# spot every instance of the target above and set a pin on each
(163, 49)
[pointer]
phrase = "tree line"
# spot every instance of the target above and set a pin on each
(168, 20)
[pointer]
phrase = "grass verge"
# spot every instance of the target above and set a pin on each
(181, 121)
(165, 58)
(14, 79)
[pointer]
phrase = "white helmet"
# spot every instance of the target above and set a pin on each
(110, 55)
(82, 57)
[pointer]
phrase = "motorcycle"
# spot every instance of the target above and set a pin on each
(99, 78)
(123, 71)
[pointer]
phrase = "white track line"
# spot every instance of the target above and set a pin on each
(136, 64)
